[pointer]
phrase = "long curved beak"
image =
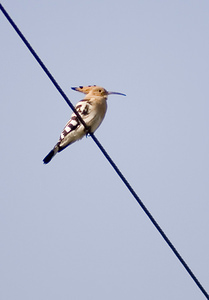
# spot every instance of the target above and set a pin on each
(115, 93)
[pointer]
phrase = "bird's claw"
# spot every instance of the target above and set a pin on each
(88, 131)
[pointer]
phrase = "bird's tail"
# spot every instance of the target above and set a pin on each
(51, 154)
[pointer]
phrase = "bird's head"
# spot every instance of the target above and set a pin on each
(94, 90)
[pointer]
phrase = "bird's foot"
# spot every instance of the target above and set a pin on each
(88, 131)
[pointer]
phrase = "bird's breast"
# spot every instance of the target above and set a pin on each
(99, 108)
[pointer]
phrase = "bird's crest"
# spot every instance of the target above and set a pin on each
(83, 89)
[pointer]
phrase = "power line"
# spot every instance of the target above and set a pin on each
(106, 154)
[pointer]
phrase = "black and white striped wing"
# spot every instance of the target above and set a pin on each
(74, 130)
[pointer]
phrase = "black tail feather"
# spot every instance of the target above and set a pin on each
(49, 156)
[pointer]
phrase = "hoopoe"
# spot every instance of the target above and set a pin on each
(92, 110)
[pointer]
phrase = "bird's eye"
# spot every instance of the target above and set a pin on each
(100, 91)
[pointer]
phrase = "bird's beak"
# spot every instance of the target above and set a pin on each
(115, 93)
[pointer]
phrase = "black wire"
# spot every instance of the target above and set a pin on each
(42, 65)
(107, 156)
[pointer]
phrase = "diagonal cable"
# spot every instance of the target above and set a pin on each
(42, 65)
(134, 194)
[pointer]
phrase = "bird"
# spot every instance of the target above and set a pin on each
(92, 109)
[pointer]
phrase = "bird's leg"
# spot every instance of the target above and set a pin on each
(87, 130)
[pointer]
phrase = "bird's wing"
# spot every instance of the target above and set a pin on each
(74, 130)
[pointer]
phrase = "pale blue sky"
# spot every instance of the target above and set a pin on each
(70, 229)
